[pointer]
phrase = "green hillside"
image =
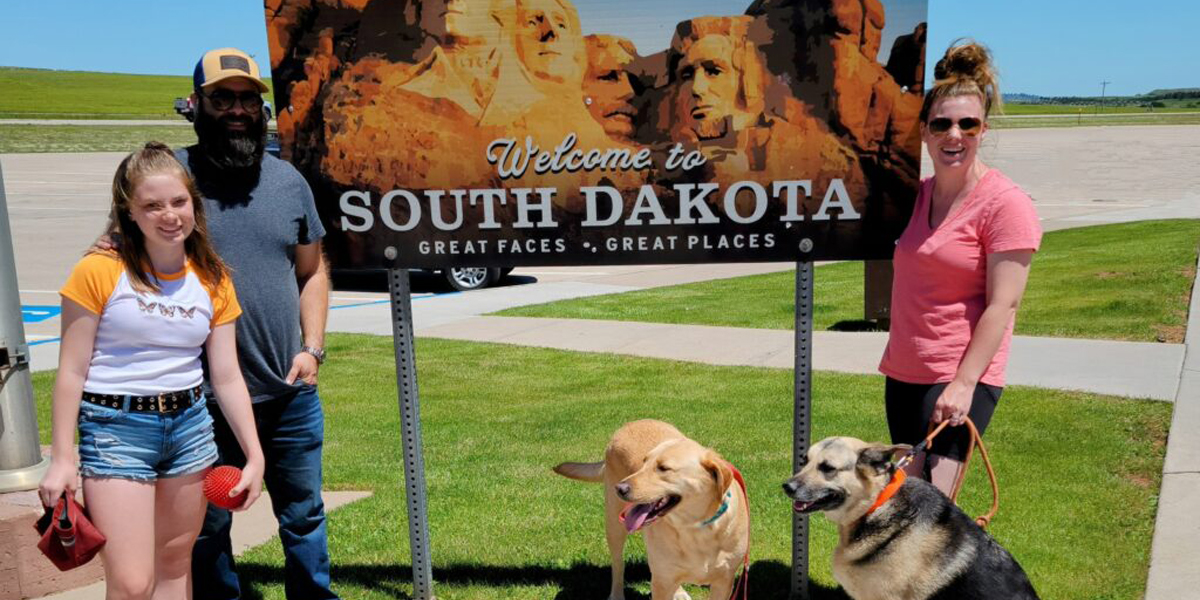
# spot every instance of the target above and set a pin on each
(48, 94)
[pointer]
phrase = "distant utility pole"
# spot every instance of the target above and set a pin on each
(1103, 88)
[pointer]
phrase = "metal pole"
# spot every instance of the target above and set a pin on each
(21, 461)
(410, 434)
(801, 421)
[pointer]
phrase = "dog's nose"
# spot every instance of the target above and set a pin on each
(790, 487)
(623, 490)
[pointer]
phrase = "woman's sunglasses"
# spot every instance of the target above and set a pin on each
(969, 126)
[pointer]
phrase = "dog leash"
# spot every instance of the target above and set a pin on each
(742, 587)
(976, 440)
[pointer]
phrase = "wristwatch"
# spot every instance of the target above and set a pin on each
(317, 353)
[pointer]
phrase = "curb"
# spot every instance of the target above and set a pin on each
(1176, 544)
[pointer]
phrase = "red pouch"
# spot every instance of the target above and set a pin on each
(69, 539)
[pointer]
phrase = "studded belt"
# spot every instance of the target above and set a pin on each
(164, 403)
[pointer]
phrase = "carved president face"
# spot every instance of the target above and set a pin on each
(450, 20)
(609, 87)
(707, 98)
(548, 43)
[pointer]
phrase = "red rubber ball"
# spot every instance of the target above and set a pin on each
(217, 484)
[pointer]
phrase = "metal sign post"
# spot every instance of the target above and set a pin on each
(802, 419)
(410, 434)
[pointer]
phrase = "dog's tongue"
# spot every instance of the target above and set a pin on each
(636, 517)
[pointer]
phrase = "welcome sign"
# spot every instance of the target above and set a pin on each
(442, 133)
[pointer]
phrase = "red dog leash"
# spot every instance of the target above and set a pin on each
(742, 587)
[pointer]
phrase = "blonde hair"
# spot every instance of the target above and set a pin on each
(155, 158)
(965, 70)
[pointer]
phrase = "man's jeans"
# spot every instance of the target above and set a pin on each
(291, 430)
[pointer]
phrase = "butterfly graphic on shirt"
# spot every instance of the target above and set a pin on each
(165, 310)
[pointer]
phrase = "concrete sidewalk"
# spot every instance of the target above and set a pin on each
(251, 528)
(1131, 369)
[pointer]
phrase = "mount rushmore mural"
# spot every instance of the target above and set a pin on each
(508, 132)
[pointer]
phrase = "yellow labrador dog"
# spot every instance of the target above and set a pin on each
(695, 517)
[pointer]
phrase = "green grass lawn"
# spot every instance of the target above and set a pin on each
(1091, 119)
(50, 94)
(1127, 281)
(1171, 105)
(1077, 506)
(90, 138)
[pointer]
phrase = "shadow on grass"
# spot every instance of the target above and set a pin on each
(769, 580)
(376, 280)
(857, 325)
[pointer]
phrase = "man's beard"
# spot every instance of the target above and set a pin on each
(229, 150)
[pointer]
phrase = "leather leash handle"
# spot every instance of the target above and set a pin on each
(986, 518)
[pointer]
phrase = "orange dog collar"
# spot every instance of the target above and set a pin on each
(889, 491)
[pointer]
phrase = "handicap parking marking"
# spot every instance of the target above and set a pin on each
(33, 313)
(38, 340)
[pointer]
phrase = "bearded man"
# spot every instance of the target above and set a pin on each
(263, 222)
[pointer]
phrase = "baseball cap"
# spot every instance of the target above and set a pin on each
(225, 63)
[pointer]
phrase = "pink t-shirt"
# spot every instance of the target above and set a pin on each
(939, 289)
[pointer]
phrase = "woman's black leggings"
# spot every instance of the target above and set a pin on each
(910, 406)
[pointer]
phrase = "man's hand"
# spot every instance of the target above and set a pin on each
(304, 368)
(104, 243)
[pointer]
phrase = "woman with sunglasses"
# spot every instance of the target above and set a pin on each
(960, 269)
(134, 323)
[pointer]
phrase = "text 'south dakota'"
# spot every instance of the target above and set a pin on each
(604, 206)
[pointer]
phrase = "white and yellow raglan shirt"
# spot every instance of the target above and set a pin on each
(147, 343)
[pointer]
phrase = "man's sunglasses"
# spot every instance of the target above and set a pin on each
(969, 126)
(224, 100)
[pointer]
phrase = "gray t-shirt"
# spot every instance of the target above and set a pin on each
(255, 228)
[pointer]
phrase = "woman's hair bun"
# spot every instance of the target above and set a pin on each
(964, 58)
(966, 68)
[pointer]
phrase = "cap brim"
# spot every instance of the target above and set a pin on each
(262, 87)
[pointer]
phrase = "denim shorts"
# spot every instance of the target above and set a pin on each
(114, 442)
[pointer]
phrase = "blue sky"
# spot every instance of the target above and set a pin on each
(1048, 47)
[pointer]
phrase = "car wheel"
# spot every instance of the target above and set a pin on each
(466, 279)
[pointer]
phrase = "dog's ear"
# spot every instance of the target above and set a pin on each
(721, 473)
(878, 459)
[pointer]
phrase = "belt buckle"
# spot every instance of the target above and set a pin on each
(161, 407)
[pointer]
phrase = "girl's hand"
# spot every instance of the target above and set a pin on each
(954, 404)
(62, 476)
(252, 476)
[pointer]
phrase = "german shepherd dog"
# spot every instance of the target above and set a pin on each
(916, 545)
(685, 497)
